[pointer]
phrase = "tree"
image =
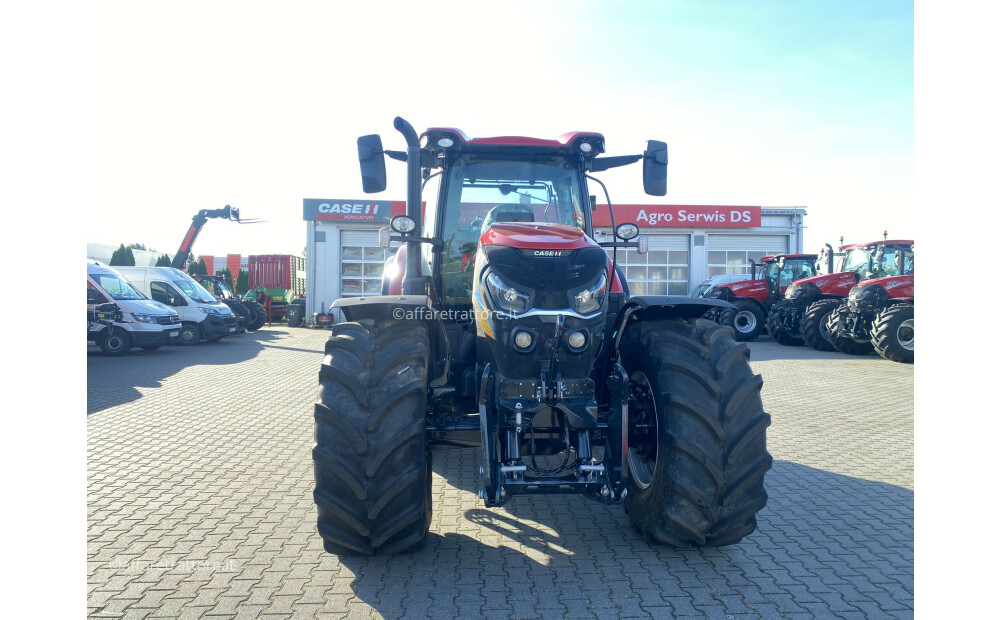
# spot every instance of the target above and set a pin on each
(227, 276)
(163, 261)
(138, 246)
(242, 282)
(198, 267)
(122, 257)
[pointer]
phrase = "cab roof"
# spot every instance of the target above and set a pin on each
(855, 246)
(567, 143)
(771, 259)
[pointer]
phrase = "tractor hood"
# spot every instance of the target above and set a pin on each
(528, 236)
(897, 286)
(832, 283)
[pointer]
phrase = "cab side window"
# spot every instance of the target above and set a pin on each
(94, 296)
(165, 294)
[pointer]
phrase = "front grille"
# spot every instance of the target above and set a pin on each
(169, 320)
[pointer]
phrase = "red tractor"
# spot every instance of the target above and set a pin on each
(753, 299)
(802, 315)
(878, 313)
(528, 347)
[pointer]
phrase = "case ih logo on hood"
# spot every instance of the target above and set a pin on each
(896, 283)
(547, 253)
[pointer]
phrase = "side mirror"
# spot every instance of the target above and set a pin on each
(593, 202)
(781, 263)
(654, 168)
(177, 300)
(372, 160)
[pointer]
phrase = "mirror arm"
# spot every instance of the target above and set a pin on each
(601, 164)
(397, 155)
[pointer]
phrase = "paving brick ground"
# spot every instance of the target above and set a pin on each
(199, 505)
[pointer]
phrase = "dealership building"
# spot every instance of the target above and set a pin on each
(687, 243)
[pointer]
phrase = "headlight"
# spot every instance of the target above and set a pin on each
(716, 293)
(216, 311)
(794, 291)
(507, 297)
(589, 299)
(144, 318)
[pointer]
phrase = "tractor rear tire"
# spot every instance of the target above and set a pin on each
(372, 466)
(781, 336)
(892, 333)
(258, 316)
(747, 320)
(847, 345)
(814, 324)
(706, 484)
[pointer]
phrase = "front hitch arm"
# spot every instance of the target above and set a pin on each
(617, 434)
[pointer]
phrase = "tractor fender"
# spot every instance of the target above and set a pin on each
(399, 307)
(648, 307)
(404, 308)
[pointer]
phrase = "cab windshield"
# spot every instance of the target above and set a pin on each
(195, 291)
(856, 260)
(886, 265)
(482, 192)
(117, 287)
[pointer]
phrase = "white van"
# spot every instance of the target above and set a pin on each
(144, 323)
(202, 315)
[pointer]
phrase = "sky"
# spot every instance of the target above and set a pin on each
(195, 105)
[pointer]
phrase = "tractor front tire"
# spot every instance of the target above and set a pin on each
(706, 483)
(258, 316)
(781, 336)
(747, 320)
(846, 345)
(372, 466)
(892, 333)
(815, 330)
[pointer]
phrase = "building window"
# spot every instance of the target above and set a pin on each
(734, 261)
(657, 272)
(361, 269)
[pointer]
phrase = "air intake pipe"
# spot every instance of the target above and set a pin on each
(413, 282)
(829, 257)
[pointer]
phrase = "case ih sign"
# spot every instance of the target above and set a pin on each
(686, 216)
(352, 210)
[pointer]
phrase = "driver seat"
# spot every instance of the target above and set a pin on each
(507, 213)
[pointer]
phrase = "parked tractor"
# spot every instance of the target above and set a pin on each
(802, 315)
(533, 352)
(251, 316)
(878, 313)
(752, 299)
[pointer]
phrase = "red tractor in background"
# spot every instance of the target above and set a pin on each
(802, 315)
(878, 314)
(754, 298)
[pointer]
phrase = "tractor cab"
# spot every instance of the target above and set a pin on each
(216, 285)
(781, 270)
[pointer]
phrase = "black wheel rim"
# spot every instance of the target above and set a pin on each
(188, 334)
(642, 432)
